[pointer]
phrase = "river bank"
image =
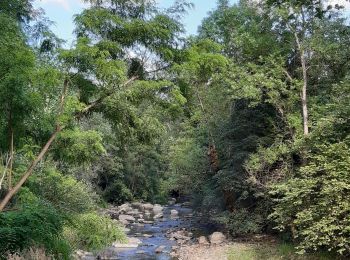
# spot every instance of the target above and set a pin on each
(176, 232)
(157, 232)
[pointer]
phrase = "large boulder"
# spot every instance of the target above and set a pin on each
(124, 208)
(147, 206)
(133, 212)
(217, 238)
(125, 219)
(157, 209)
(137, 205)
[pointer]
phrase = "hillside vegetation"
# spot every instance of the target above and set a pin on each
(250, 118)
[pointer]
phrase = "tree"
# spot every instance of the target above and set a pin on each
(302, 19)
(16, 97)
(106, 62)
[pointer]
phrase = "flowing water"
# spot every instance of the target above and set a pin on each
(154, 235)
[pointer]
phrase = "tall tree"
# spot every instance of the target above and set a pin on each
(108, 33)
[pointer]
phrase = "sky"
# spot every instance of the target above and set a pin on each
(62, 13)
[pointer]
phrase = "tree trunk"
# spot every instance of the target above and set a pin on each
(304, 107)
(304, 95)
(212, 152)
(29, 171)
(11, 153)
(42, 153)
(46, 147)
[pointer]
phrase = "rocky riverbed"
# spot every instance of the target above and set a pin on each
(158, 232)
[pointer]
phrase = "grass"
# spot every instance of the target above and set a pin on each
(268, 251)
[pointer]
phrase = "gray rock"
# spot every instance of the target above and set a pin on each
(137, 205)
(80, 254)
(217, 238)
(128, 218)
(148, 206)
(159, 215)
(133, 212)
(124, 222)
(157, 209)
(124, 208)
(180, 236)
(203, 240)
(126, 230)
(160, 249)
(174, 213)
(174, 255)
(131, 243)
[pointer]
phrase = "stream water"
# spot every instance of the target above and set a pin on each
(154, 235)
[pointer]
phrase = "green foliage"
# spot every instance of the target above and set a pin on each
(65, 193)
(241, 222)
(17, 100)
(146, 111)
(20, 10)
(314, 203)
(117, 192)
(93, 232)
(78, 147)
(188, 160)
(37, 225)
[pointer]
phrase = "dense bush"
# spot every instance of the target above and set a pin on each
(92, 232)
(33, 226)
(117, 192)
(241, 222)
(63, 191)
(314, 205)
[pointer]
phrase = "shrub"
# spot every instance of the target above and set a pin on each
(64, 192)
(79, 147)
(38, 225)
(315, 205)
(92, 232)
(241, 222)
(117, 193)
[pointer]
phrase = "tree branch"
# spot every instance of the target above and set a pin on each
(101, 99)
(42, 153)
(46, 147)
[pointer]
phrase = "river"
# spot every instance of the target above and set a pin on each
(158, 238)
